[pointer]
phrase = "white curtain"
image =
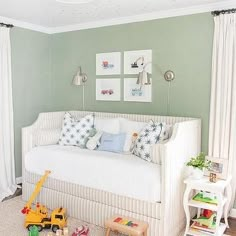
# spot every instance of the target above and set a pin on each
(7, 165)
(222, 130)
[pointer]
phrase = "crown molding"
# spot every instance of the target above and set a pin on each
(124, 20)
(146, 17)
(26, 25)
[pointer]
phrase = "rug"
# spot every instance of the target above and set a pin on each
(12, 220)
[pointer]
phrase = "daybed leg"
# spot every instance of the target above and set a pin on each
(108, 232)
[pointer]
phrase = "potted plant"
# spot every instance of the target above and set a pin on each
(198, 164)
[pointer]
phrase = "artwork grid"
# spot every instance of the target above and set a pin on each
(108, 89)
(135, 61)
(108, 63)
(133, 92)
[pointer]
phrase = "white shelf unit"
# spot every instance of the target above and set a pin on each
(203, 205)
(221, 230)
(222, 189)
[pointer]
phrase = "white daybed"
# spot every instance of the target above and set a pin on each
(88, 198)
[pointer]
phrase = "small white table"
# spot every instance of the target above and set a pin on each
(223, 191)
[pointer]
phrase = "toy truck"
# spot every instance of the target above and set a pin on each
(39, 216)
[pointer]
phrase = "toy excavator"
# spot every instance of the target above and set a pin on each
(39, 216)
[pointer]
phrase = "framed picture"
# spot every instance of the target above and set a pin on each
(219, 166)
(135, 93)
(134, 61)
(108, 63)
(108, 89)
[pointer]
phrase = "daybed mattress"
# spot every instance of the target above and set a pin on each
(124, 175)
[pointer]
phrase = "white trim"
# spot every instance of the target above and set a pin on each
(123, 20)
(146, 17)
(19, 180)
(25, 25)
(233, 213)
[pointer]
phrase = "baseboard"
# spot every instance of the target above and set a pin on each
(233, 213)
(19, 180)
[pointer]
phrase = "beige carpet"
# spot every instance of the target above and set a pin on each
(11, 220)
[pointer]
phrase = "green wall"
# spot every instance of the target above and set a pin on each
(182, 44)
(44, 65)
(31, 76)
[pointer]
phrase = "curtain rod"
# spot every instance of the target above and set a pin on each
(6, 25)
(228, 11)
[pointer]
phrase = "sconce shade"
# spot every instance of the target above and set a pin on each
(77, 80)
(80, 78)
(143, 78)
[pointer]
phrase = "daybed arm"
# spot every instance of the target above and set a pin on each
(184, 143)
(44, 131)
(27, 142)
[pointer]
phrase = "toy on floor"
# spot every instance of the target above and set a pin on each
(209, 222)
(81, 231)
(34, 231)
(59, 232)
(65, 231)
(39, 217)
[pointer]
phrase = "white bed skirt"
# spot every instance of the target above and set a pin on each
(91, 205)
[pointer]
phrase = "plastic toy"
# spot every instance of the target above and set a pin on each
(39, 217)
(207, 213)
(209, 222)
(134, 137)
(81, 231)
(126, 222)
(65, 231)
(94, 142)
(34, 231)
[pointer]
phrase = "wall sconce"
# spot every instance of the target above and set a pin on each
(169, 75)
(144, 79)
(144, 76)
(80, 80)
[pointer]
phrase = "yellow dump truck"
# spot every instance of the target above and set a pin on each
(39, 216)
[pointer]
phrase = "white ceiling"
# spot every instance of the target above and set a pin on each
(54, 16)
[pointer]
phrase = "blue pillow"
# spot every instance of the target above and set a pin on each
(112, 142)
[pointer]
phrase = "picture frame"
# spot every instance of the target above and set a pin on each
(108, 89)
(219, 166)
(134, 61)
(108, 63)
(136, 93)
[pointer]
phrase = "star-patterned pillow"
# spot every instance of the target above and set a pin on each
(76, 132)
(151, 134)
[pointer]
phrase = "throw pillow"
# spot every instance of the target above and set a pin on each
(130, 127)
(152, 133)
(76, 132)
(111, 126)
(112, 142)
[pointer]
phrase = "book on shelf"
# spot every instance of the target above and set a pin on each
(201, 231)
(203, 228)
(200, 197)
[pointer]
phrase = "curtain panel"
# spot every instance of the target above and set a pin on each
(7, 164)
(222, 124)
